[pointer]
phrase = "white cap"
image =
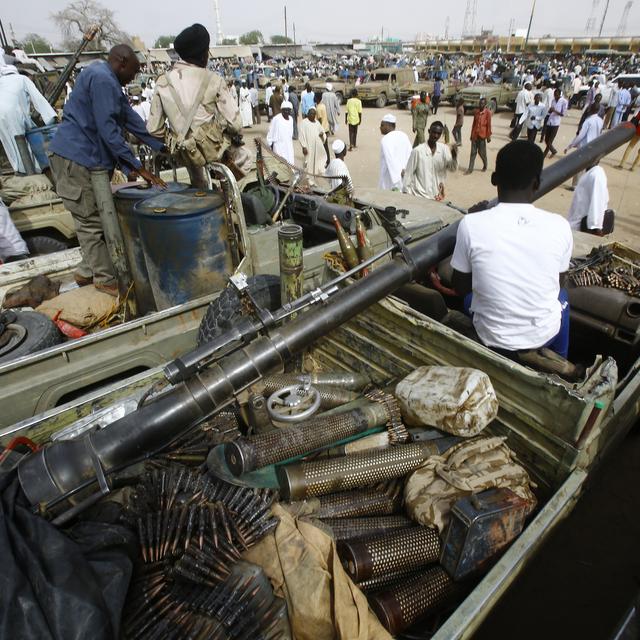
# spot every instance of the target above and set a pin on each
(338, 146)
(135, 98)
(329, 86)
(389, 117)
(286, 105)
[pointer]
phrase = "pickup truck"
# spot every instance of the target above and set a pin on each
(380, 86)
(71, 368)
(496, 95)
(405, 92)
(559, 430)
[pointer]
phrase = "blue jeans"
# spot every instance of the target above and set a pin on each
(560, 342)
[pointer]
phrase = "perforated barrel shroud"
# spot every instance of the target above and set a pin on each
(400, 551)
(356, 528)
(413, 598)
(302, 480)
(246, 454)
(384, 499)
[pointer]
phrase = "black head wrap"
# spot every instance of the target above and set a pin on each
(192, 42)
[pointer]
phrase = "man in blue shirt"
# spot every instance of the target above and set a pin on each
(437, 94)
(91, 137)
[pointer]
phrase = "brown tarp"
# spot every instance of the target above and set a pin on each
(304, 568)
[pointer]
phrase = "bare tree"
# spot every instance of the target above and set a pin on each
(79, 16)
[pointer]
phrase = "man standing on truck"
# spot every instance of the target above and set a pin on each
(194, 109)
(419, 116)
(18, 96)
(589, 211)
(428, 165)
(480, 135)
(395, 150)
(511, 257)
(437, 94)
(91, 136)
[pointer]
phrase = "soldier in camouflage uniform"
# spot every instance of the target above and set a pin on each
(420, 114)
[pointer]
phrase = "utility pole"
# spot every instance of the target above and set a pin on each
(622, 26)
(512, 24)
(294, 40)
(526, 40)
(286, 36)
(604, 15)
(446, 28)
(216, 10)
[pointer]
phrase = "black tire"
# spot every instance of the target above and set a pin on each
(43, 245)
(493, 105)
(41, 333)
(381, 101)
(225, 310)
(340, 97)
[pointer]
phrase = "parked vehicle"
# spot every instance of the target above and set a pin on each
(496, 95)
(380, 86)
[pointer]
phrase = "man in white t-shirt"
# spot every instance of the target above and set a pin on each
(511, 258)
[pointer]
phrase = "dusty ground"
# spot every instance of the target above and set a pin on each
(364, 165)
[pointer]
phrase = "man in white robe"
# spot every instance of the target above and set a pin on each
(12, 246)
(590, 202)
(395, 150)
(312, 137)
(331, 102)
(17, 94)
(246, 110)
(428, 164)
(280, 136)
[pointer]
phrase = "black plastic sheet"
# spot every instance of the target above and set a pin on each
(53, 584)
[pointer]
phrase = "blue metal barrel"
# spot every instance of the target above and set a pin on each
(125, 200)
(184, 237)
(38, 140)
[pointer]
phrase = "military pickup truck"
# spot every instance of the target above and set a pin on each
(559, 430)
(69, 369)
(46, 227)
(381, 85)
(497, 95)
(405, 92)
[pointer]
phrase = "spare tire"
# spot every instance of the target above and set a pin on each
(226, 309)
(29, 332)
(44, 245)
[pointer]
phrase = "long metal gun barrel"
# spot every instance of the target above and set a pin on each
(67, 71)
(54, 471)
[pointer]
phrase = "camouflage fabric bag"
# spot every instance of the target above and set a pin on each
(458, 400)
(467, 468)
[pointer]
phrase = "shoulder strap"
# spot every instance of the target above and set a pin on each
(194, 107)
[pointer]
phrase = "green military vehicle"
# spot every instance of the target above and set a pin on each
(381, 85)
(405, 93)
(46, 228)
(497, 95)
(67, 370)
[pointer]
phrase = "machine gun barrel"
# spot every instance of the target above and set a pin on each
(66, 72)
(51, 473)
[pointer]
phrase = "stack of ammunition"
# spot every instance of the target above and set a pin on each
(192, 530)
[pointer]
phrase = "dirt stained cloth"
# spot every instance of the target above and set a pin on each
(323, 603)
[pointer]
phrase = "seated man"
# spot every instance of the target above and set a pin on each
(511, 257)
(589, 211)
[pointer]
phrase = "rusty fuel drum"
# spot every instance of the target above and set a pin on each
(247, 454)
(397, 551)
(306, 479)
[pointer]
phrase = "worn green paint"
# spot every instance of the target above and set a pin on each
(291, 262)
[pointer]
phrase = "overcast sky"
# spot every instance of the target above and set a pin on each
(330, 20)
